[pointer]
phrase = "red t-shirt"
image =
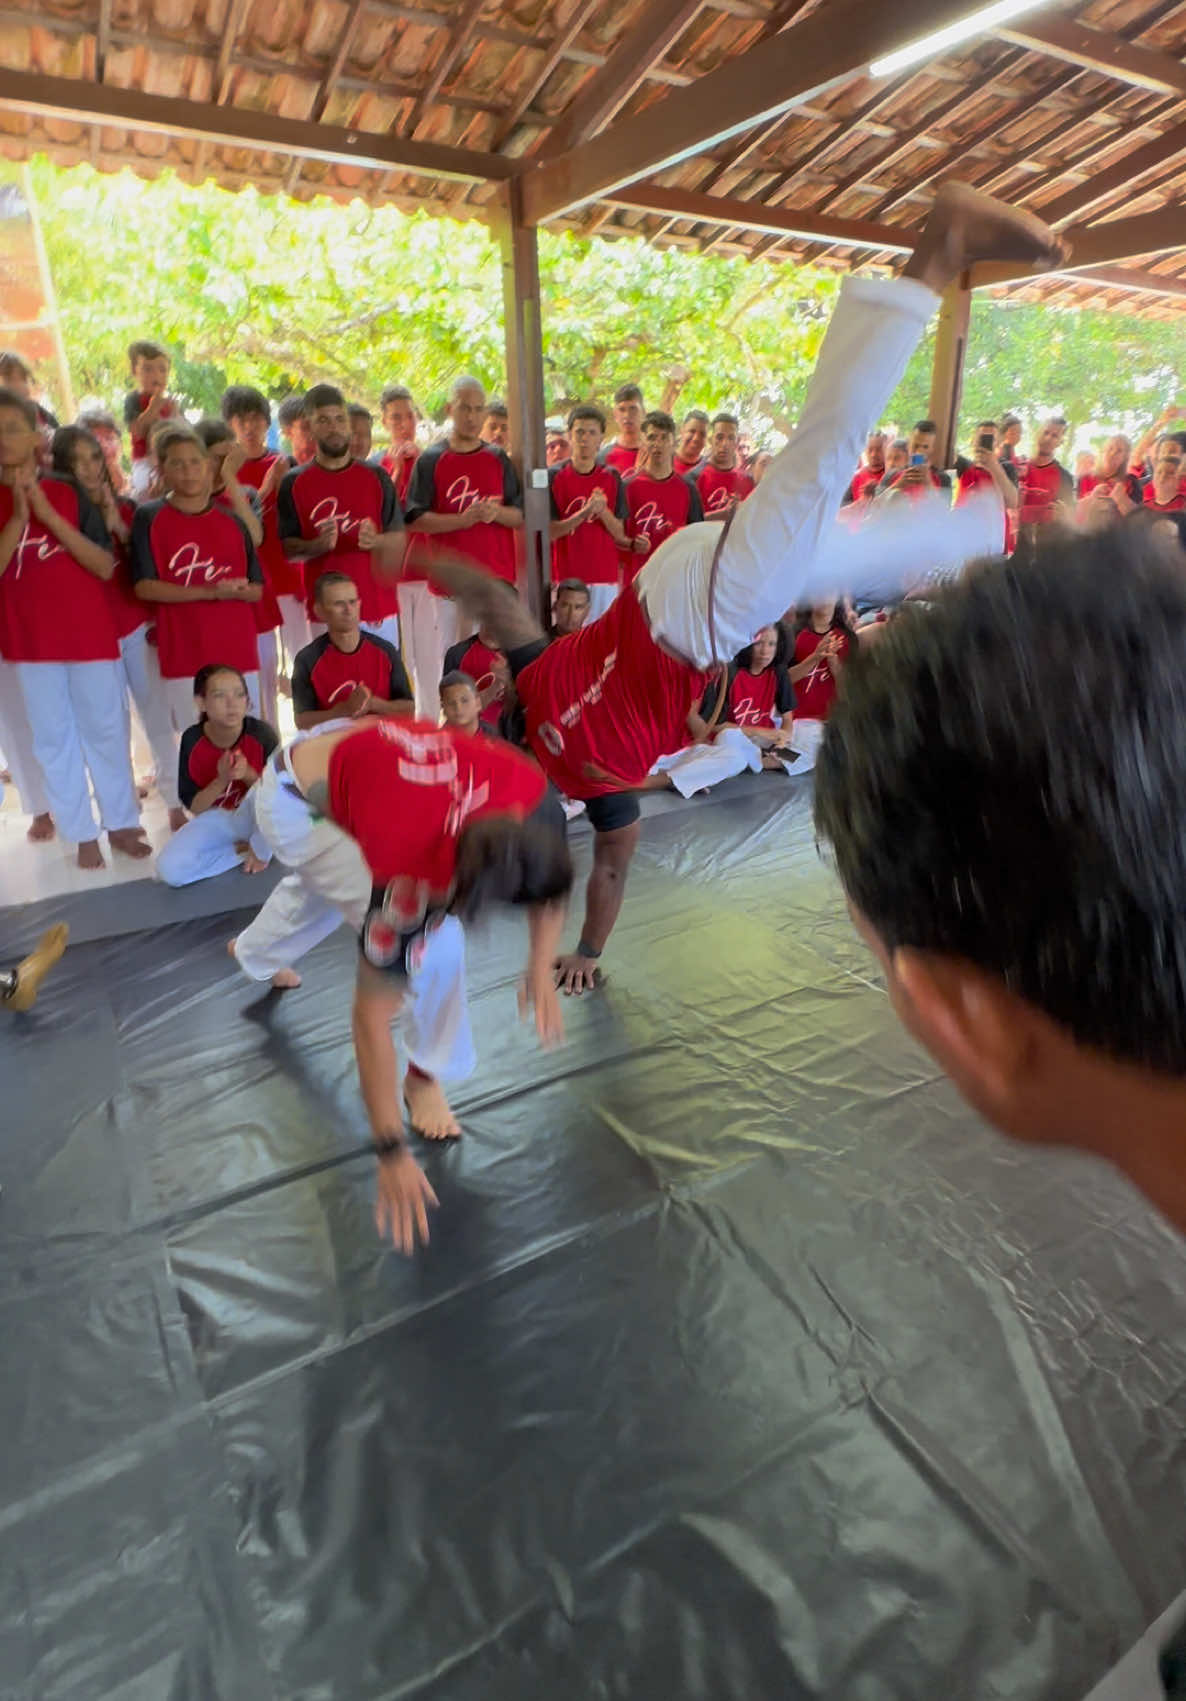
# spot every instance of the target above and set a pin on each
(686, 468)
(718, 488)
(311, 495)
(589, 553)
(815, 692)
(1039, 488)
(657, 507)
(51, 609)
(197, 550)
(619, 457)
(281, 576)
(128, 612)
(404, 790)
(135, 403)
(447, 481)
(399, 469)
(862, 479)
(474, 657)
(323, 675)
(603, 704)
(198, 759)
(1173, 506)
(265, 612)
(751, 700)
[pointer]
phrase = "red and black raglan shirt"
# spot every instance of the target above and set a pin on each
(588, 553)
(1128, 482)
(405, 791)
(1175, 504)
(862, 480)
(198, 759)
(135, 403)
(311, 496)
(622, 459)
(51, 608)
(816, 691)
(752, 699)
(447, 481)
(718, 488)
(603, 704)
(197, 550)
(1040, 485)
(128, 612)
(974, 481)
(323, 675)
(687, 469)
(479, 661)
(265, 612)
(656, 508)
(282, 577)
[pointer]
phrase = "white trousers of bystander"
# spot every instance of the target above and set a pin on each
(702, 765)
(16, 741)
(81, 730)
(147, 690)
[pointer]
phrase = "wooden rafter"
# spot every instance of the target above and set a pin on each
(1124, 173)
(328, 83)
(1096, 245)
(1098, 50)
(753, 215)
(223, 74)
(102, 40)
(661, 23)
(556, 51)
(447, 62)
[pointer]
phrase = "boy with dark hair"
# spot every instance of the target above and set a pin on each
(920, 474)
(58, 630)
(589, 512)
(362, 422)
(571, 606)
(623, 452)
(496, 427)
(398, 413)
(659, 502)
(1017, 862)
(146, 406)
(1046, 488)
(722, 481)
(483, 662)
(195, 561)
(693, 435)
(461, 705)
(341, 513)
(247, 412)
(346, 672)
(290, 417)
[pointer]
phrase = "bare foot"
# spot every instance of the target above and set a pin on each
(89, 854)
(41, 827)
(965, 226)
(129, 841)
(252, 864)
(428, 1109)
(177, 819)
(576, 974)
(32, 971)
(286, 980)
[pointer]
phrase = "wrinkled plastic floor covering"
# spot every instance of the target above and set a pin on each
(744, 1362)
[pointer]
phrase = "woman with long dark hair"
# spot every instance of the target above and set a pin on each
(752, 728)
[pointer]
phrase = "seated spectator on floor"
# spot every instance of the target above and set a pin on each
(823, 643)
(221, 759)
(570, 607)
(920, 471)
(693, 435)
(195, 564)
(1163, 495)
(362, 426)
(588, 512)
(346, 672)
(461, 706)
(496, 427)
(1110, 492)
(756, 721)
(480, 659)
(871, 470)
(102, 426)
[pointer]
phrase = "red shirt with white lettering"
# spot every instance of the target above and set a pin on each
(815, 692)
(265, 612)
(323, 675)
(312, 495)
(197, 550)
(621, 458)
(657, 507)
(719, 488)
(754, 698)
(603, 704)
(198, 759)
(281, 576)
(1040, 486)
(128, 612)
(51, 608)
(135, 403)
(448, 481)
(477, 659)
(588, 553)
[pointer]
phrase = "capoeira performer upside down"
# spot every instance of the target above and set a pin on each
(604, 704)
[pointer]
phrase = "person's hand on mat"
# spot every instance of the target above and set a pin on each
(401, 1209)
(575, 974)
(538, 990)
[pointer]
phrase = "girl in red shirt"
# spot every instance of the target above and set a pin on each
(823, 644)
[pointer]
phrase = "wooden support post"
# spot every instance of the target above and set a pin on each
(523, 329)
(947, 378)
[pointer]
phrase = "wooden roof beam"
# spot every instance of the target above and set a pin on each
(1123, 173)
(752, 215)
(102, 40)
(1074, 43)
(660, 24)
(825, 51)
(239, 126)
(460, 34)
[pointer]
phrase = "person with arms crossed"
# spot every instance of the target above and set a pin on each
(58, 631)
(603, 705)
(589, 511)
(347, 672)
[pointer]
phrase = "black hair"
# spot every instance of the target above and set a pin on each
(396, 393)
(170, 432)
(802, 621)
(1178, 437)
(504, 861)
(1003, 779)
(67, 440)
(660, 420)
(456, 677)
(144, 350)
(628, 393)
(19, 404)
(212, 431)
(290, 409)
(240, 401)
(987, 425)
(1009, 420)
(926, 425)
(1056, 419)
(573, 585)
(357, 411)
(323, 582)
(726, 419)
(586, 410)
(322, 396)
(497, 409)
(11, 361)
(782, 648)
(205, 674)
(696, 413)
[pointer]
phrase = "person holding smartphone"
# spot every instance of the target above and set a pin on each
(985, 471)
(919, 473)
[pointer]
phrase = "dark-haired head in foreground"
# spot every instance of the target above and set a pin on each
(1003, 782)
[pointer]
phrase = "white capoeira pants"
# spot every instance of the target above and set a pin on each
(183, 708)
(81, 728)
(430, 626)
(702, 765)
(16, 741)
(294, 628)
(329, 884)
(785, 545)
(147, 690)
(206, 845)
